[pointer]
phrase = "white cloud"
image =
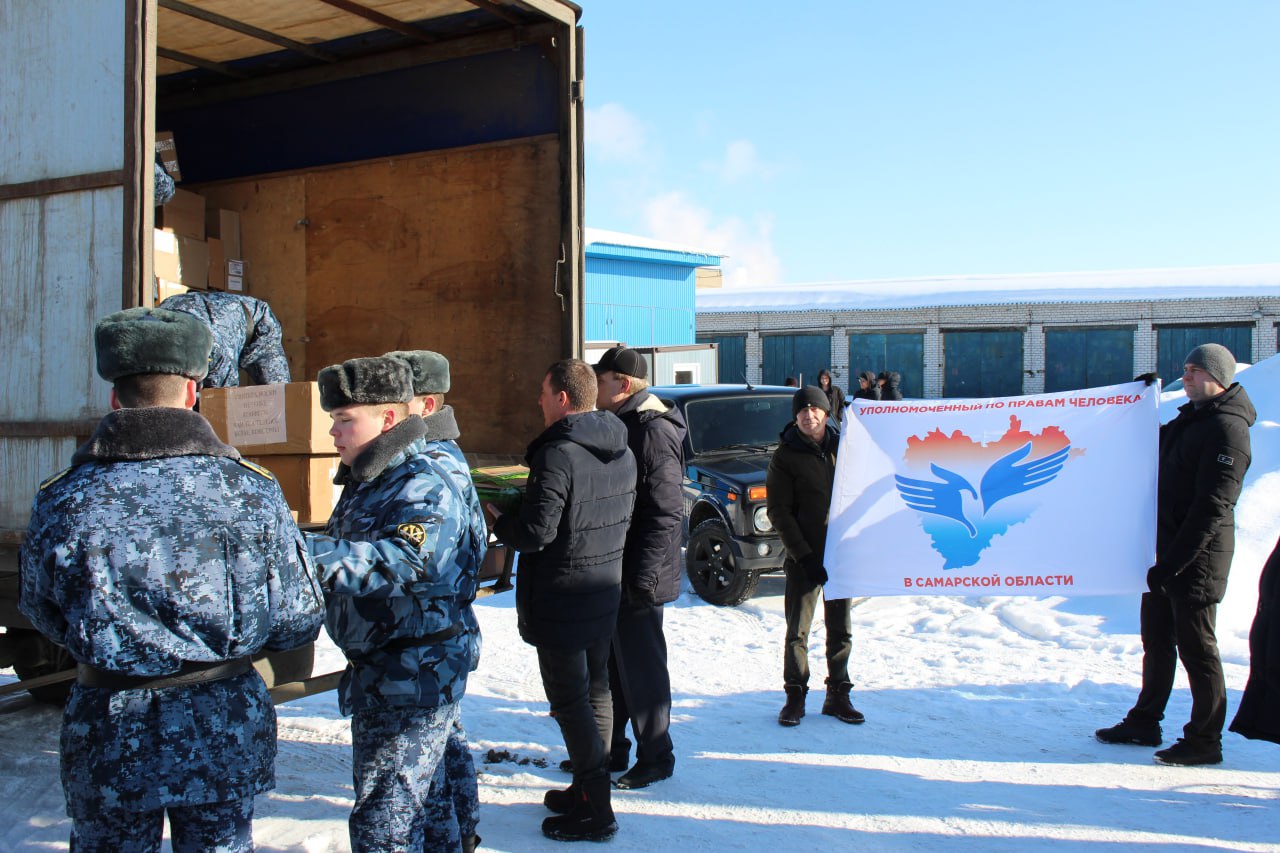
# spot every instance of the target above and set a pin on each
(741, 161)
(676, 218)
(614, 134)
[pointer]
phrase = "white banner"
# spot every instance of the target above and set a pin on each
(1048, 494)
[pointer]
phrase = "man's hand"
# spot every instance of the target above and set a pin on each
(492, 511)
(1148, 378)
(813, 569)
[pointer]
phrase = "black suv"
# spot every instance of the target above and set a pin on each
(733, 431)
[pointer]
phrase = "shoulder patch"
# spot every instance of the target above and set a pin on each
(256, 468)
(55, 478)
(1226, 460)
(414, 532)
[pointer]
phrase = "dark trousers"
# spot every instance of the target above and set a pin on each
(577, 687)
(216, 826)
(641, 685)
(1174, 629)
(799, 602)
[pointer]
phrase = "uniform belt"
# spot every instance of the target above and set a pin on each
(190, 673)
(399, 644)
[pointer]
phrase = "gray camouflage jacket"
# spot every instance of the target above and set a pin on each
(159, 546)
(246, 334)
(399, 562)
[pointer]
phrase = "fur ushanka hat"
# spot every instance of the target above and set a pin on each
(365, 381)
(430, 370)
(151, 340)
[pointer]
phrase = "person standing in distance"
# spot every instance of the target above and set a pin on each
(799, 482)
(1204, 454)
(398, 569)
(164, 562)
(638, 674)
(835, 394)
(571, 531)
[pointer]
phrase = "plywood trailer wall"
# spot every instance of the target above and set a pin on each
(454, 251)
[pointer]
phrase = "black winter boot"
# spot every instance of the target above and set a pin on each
(837, 704)
(561, 801)
(591, 818)
(794, 709)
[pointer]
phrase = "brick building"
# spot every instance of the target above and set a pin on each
(1000, 335)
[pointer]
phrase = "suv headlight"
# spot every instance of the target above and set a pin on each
(761, 519)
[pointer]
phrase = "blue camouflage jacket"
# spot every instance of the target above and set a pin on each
(159, 546)
(246, 334)
(399, 562)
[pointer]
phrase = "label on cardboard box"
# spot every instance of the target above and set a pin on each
(235, 267)
(235, 284)
(168, 152)
(256, 416)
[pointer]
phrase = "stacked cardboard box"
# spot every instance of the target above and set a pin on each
(503, 486)
(196, 247)
(283, 429)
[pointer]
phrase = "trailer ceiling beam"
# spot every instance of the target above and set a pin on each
(385, 21)
(246, 29)
(198, 62)
(495, 9)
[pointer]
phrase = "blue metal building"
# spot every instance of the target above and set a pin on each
(641, 291)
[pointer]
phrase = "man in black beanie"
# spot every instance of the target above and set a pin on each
(800, 478)
(1204, 454)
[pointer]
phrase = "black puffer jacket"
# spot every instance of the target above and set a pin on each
(570, 531)
(1204, 454)
(655, 434)
(1259, 714)
(799, 483)
(890, 390)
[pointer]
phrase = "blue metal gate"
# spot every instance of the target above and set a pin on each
(1174, 342)
(982, 364)
(900, 352)
(798, 356)
(1087, 358)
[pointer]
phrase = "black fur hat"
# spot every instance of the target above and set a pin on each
(430, 370)
(151, 340)
(363, 381)
(810, 395)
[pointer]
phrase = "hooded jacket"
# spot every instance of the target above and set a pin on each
(890, 390)
(799, 483)
(655, 434)
(1204, 454)
(571, 531)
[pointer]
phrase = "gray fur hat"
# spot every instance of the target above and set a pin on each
(365, 381)
(1216, 360)
(151, 340)
(430, 370)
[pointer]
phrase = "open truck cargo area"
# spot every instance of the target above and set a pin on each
(407, 174)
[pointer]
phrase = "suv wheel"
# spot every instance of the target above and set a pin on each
(35, 656)
(712, 569)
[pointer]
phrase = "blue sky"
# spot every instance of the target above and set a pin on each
(833, 141)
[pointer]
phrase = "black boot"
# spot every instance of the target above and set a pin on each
(794, 709)
(591, 818)
(837, 704)
(561, 801)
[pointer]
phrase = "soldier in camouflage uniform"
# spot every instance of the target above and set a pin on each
(430, 384)
(246, 335)
(398, 563)
(163, 562)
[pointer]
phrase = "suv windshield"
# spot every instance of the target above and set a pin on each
(752, 420)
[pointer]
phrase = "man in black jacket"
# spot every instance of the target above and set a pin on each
(638, 675)
(1204, 454)
(800, 478)
(570, 531)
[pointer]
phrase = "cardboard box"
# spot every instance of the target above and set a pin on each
(307, 483)
(270, 420)
(168, 151)
(183, 215)
(164, 289)
(181, 260)
(225, 225)
(217, 264)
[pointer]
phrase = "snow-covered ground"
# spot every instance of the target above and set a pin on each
(979, 734)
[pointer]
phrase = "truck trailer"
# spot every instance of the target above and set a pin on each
(407, 174)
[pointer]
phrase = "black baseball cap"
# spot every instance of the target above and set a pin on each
(623, 360)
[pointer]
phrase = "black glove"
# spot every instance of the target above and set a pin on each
(813, 569)
(1148, 378)
(636, 596)
(1157, 580)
